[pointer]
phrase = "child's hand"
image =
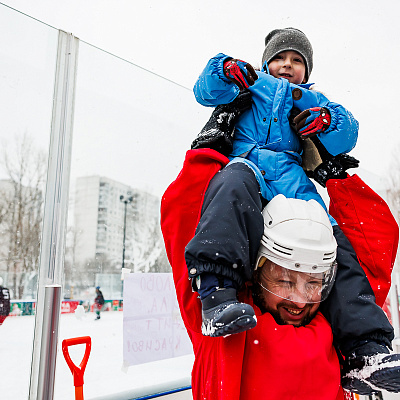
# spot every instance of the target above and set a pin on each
(240, 73)
(312, 121)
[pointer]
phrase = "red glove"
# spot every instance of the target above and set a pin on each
(240, 73)
(312, 121)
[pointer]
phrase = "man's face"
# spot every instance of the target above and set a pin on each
(295, 309)
(289, 65)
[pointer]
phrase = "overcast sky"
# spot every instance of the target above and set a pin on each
(356, 47)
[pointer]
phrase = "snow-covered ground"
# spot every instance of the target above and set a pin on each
(104, 376)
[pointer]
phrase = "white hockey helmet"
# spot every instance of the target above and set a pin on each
(298, 237)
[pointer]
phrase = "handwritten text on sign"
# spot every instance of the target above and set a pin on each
(153, 327)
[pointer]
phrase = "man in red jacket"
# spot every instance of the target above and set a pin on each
(222, 254)
(271, 361)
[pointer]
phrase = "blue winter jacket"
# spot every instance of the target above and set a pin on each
(263, 137)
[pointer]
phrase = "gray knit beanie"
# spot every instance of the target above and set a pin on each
(280, 40)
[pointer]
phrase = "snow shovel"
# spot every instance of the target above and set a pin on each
(77, 372)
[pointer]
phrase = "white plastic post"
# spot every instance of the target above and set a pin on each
(54, 222)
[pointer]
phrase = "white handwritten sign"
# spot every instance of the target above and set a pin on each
(153, 327)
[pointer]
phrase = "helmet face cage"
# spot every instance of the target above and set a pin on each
(295, 285)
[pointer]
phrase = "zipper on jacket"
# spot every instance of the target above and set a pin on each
(269, 131)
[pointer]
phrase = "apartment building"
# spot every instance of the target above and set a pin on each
(99, 213)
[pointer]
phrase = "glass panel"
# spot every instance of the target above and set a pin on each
(28, 55)
(131, 131)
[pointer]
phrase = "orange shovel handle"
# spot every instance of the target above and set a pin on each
(78, 392)
(77, 372)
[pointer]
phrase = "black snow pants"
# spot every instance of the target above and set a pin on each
(227, 240)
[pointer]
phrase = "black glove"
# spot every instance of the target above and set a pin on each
(217, 133)
(333, 168)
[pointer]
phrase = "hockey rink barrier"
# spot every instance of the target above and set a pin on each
(170, 394)
(123, 118)
(127, 122)
(28, 77)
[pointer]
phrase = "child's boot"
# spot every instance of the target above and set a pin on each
(371, 368)
(222, 313)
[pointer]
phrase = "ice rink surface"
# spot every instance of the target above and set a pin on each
(104, 375)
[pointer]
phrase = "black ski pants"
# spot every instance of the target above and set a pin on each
(227, 241)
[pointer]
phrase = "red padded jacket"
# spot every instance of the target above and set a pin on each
(271, 361)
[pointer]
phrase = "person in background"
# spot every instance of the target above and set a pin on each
(4, 302)
(98, 302)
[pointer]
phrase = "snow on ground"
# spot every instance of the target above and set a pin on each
(104, 376)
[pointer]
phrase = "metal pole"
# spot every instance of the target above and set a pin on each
(123, 244)
(125, 201)
(54, 222)
(48, 348)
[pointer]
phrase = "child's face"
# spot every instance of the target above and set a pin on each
(289, 65)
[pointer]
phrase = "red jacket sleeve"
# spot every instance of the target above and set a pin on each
(218, 362)
(180, 214)
(369, 225)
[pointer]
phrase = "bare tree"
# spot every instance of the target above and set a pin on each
(22, 209)
(145, 244)
(148, 248)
